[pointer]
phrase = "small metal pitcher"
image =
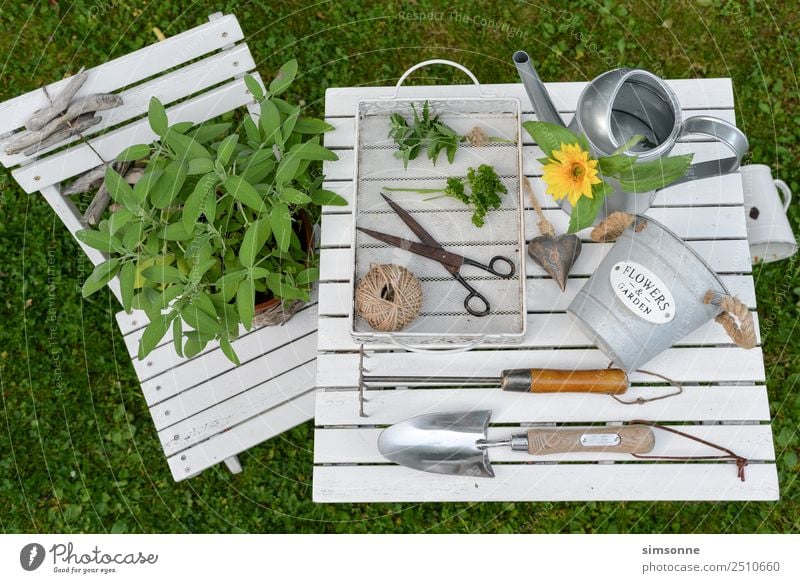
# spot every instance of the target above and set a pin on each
(623, 103)
(646, 295)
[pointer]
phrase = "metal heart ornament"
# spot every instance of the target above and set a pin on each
(556, 255)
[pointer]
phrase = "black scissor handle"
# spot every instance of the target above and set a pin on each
(491, 268)
(473, 297)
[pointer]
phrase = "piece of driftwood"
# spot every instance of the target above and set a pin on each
(68, 130)
(102, 199)
(58, 104)
(133, 175)
(87, 181)
(79, 107)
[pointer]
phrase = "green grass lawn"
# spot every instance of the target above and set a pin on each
(78, 451)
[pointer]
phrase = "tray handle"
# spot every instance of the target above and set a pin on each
(417, 349)
(418, 66)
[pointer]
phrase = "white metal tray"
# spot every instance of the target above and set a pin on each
(444, 321)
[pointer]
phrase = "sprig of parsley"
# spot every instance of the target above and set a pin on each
(481, 190)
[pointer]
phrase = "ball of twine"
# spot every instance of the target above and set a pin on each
(389, 297)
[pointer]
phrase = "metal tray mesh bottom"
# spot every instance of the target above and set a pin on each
(444, 318)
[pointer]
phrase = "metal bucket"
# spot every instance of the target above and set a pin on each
(646, 295)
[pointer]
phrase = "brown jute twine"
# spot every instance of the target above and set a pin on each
(389, 297)
(612, 227)
(545, 226)
(477, 137)
(736, 318)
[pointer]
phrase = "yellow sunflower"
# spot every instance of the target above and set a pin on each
(571, 174)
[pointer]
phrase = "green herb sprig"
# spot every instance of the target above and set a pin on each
(484, 193)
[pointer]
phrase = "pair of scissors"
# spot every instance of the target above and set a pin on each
(452, 262)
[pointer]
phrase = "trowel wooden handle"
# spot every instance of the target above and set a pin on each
(610, 381)
(622, 439)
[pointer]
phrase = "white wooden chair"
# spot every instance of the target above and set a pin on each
(205, 410)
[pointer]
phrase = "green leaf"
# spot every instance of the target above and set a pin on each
(208, 132)
(611, 166)
(294, 196)
(284, 78)
(145, 186)
(162, 274)
(119, 190)
(288, 168)
(200, 166)
(549, 136)
(254, 238)
(169, 294)
(245, 303)
(118, 219)
(182, 126)
(324, 197)
(270, 121)
(229, 283)
(153, 333)
(307, 276)
(200, 320)
(629, 144)
(157, 116)
(585, 211)
(281, 223)
(288, 125)
(647, 176)
(185, 147)
(100, 276)
(177, 336)
(169, 184)
(127, 279)
(251, 131)
(226, 149)
(310, 125)
(131, 153)
(175, 232)
(228, 351)
(244, 192)
(312, 151)
(96, 239)
(197, 202)
(254, 87)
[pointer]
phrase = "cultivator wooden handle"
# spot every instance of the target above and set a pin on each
(610, 381)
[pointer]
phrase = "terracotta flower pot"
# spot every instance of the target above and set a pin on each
(274, 311)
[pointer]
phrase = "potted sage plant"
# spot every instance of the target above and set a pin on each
(218, 228)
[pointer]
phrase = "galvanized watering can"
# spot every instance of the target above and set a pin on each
(650, 291)
(623, 103)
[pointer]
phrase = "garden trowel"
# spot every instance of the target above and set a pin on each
(457, 443)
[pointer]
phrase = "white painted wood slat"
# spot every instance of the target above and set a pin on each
(691, 93)
(697, 403)
(538, 482)
(74, 161)
(708, 364)
(167, 88)
(131, 68)
(242, 437)
(360, 446)
(335, 297)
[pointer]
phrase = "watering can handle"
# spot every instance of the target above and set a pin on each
(454, 350)
(418, 66)
(721, 131)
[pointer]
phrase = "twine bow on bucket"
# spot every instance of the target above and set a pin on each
(735, 317)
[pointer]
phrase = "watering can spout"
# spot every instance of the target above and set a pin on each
(540, 99)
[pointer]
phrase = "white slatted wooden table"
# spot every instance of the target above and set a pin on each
(205, 409)
(725, 399)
